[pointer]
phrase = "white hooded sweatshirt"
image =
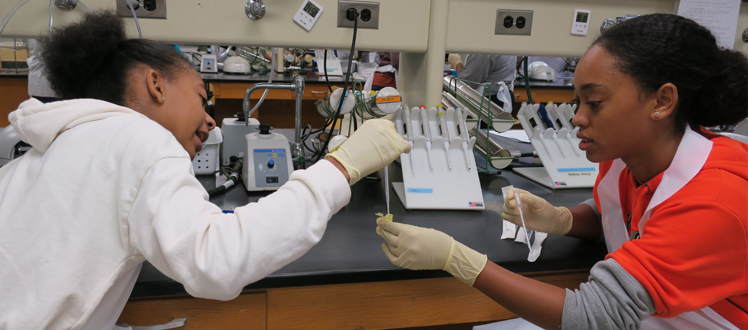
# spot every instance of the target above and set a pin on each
(105, 188)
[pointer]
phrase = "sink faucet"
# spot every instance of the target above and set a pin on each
(297, 150)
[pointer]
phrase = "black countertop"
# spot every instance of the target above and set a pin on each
(565, 82)
(12, 73)
(311, 77)
(350, 251)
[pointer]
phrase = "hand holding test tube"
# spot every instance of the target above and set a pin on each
(522, 217)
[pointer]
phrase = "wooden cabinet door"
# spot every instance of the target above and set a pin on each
(248, 311)
(544, 95)
(316, 91)
(13, 91)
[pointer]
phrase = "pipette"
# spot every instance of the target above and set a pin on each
(558, 143)
(522, 217)
(387, 187)
(387, 216)
(465, 137)
(445, 132)
(426, 132)
(409, 127)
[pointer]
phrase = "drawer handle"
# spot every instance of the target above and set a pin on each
(175, 323)
(318, 92)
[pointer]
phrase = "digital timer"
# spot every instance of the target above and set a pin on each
(308, 14)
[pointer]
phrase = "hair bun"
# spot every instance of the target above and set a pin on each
(75, 54)
(728, 92)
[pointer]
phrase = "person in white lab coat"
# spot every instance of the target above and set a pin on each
(669, 200)
(38, 85)
(487, 69)
(109, 184)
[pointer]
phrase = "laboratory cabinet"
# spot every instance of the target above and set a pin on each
(277, 110)
(246, 312)
(544, 95)
(369, 305)
(13, 91)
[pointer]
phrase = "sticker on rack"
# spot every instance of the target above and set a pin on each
(581, 171)
(560, 183)
(388, 99)
(421, 190)
(475, 204)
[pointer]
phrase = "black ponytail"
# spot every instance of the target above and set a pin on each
(92, 58)
(656, 49)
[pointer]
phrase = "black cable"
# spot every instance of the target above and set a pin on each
(235, 174)
(306, 135)
(324, 67)
(527, 83)
(355, 122)
(345, 88)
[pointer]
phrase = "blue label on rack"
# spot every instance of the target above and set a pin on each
(421, 190)
(582, 169)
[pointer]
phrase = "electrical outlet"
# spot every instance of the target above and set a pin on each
(368, 11)
(516, 22)
(146, 9)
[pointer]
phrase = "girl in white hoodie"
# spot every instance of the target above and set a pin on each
(109, 184)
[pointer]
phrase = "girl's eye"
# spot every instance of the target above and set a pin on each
(593, 104)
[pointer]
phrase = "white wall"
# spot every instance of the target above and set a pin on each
(403, 25)
(416, 27)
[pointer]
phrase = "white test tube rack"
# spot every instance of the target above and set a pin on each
(564, 164)
(440, 188)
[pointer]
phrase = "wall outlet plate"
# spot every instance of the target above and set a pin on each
(373, 23)
(146, 9)
(515, 22)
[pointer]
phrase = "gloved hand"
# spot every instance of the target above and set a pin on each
(454, 59)
(418, 248)
(374, 145)
(539, 214)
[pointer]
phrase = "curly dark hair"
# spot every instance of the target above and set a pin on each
(656, 49)
(92, 58)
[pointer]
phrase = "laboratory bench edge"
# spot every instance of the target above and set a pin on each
(278, 112)
(346, 282)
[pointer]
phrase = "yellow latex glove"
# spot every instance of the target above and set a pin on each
(454, 59)
(539, 214)
(371, 147)
(418, 248)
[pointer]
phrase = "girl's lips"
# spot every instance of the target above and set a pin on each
(585, 144)
(198, 146)
(203, 136)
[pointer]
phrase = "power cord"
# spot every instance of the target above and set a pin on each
(305, 136)
(324, 67)
(352, 15)
(131, 4)
(527, 82)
